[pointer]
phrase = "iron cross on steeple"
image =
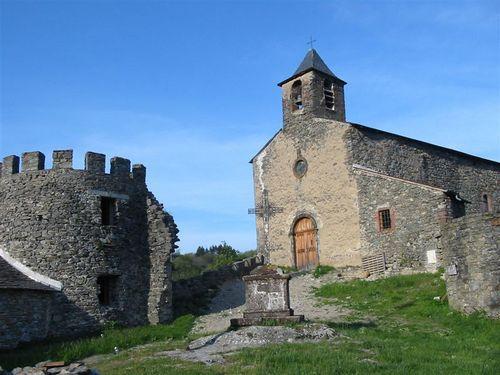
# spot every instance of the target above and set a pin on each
(311, 41)
(265, 209)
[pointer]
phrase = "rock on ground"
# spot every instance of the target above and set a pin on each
(43, 368)
(210, 349)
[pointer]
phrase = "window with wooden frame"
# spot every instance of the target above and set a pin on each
(296, 95)
(385, 220)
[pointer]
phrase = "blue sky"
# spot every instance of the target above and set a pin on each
(189, 88)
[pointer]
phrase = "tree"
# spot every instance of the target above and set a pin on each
(200, 251)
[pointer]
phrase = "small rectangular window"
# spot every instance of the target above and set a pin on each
(384, 219)
(107, 285)
(108, 210)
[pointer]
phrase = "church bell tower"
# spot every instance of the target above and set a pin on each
(313, 91)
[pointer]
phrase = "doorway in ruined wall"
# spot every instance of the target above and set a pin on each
(305, 243)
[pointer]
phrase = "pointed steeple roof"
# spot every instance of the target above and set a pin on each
(312, 61)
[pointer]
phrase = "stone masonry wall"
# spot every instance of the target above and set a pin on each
(327, 193)
(162, 236)
(313, 100)
(50, 220)
(415, 221)
(24, 316)
(189, 295)
(409, 159)
(471, 256)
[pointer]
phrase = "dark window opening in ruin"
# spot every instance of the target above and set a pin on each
(384, 219)
(108, 210)
(457, 208)
(329, 95)
(107, 285)
(485, 203)
(296, 96)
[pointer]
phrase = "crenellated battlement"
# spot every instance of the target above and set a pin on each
(98, 231)
(63, 160)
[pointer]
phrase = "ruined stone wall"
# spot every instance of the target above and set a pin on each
(327, 193)
(471, 256)
(24, 316)
(413, 242)
(162, 235)
(50, 220)
(409, 159)
(191, 295)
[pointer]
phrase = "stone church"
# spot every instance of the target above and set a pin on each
(332, 192)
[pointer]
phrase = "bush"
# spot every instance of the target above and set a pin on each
(322, 270)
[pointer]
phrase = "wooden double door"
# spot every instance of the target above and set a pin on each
(306, 247)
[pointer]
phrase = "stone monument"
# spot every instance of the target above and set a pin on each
(267, 298)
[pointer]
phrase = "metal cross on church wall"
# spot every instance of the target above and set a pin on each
(265, 209)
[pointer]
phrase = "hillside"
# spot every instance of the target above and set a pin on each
(397, 325)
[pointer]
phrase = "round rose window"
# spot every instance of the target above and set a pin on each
(300, 168)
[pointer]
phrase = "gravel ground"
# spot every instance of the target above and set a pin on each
(228, 303)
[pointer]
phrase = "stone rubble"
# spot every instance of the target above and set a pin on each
(210, 349)
(47, 367)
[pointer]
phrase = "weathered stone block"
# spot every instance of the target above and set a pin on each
(139, 172)
(267, 298)
(94, 162)
(33, 161)
(62, 159)
(120, 166)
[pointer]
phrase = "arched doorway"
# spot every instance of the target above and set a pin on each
(306, 248)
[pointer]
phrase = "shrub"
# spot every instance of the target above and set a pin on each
(322, 270)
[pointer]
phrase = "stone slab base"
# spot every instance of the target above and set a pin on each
(244, 322)
(271, 314)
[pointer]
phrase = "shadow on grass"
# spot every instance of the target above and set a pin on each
(351, 325)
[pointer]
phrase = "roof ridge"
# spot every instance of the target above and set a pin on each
(29, 273)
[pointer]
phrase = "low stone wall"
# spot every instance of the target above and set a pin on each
(471, 256)
(190, 295)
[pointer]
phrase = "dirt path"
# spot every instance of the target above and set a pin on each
(229, 303)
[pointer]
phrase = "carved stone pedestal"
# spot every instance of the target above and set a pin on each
(267, 299)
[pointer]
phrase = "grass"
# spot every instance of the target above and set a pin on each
(322, 270)
(413, 332)
(122, 338)
(397, 328)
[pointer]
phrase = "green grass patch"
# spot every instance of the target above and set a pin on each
(412, 332)
(122, 338)
(322, 270)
